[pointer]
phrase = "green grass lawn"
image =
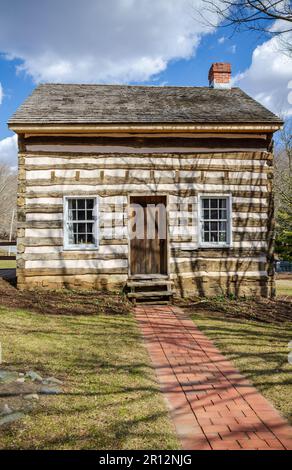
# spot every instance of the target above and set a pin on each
(258, 349)
(7, 264)
(111, 398)
(284, 287)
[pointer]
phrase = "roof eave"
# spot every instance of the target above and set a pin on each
(60, 128)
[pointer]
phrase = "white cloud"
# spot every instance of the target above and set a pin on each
(268, 77)
(221, 40)
(98, 41)
(8, 151)
(1, 93)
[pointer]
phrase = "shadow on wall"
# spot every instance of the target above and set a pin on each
(243, 260)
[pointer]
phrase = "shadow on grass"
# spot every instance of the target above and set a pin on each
(64, 302)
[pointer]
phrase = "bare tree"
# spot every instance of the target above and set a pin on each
(256, 15)
(8, 192)
(283, 192)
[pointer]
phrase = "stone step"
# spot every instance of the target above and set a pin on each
(159, 293)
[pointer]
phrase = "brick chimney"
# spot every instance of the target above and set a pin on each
(220, 75)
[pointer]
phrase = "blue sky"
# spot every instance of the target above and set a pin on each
(185, 72)
(123, 41)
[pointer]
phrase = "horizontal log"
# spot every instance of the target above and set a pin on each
(182, 192)
(72, 255)
(101, 250)
(105, 241)
(45, 224)
(97, 150)
(154, 165)
(236, 236)
(151, 181)
(120, 176)
(250, 207)
(94, 263)
(69, 271)
(257, 208)
(231, 276)
(42, 241)
(147, 161)
(37, 241)
(121, 208)
(197, 255)
(7, 258)
(74, 280)
(55, 224)
(246, 236)
(58, 208)
(190, 221)
(210, 140)
(237, 223)
(219, 266)
(239, 277)
(215, 253)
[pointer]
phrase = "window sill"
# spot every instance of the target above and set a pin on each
(217, 245)
(81, 248)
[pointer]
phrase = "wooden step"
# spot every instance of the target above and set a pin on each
(149, 283)
(159, 293)
(148, 276)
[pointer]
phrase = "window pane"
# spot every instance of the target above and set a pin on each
(81, 203)
(214, 236)
(214, 226)
(82, 228)
(81, 238)
(223, 214)
(89, 215)
(90, 203)
(214, 214)
(72, 203)
(206, 203)
(71, 214)
(206, 214)
(81, 215)
(206, 226)
(222, 237)
(90, 238)
(206, 237)
(70, 233)
(222, 203)
(89, 228)
(214, 203)
(222, 226)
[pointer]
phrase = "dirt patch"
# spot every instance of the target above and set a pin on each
(263, 310)
(64, 302)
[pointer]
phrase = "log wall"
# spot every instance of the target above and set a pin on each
(112, 169)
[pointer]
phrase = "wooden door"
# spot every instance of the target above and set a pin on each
(148, 243)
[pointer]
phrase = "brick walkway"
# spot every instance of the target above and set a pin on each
(212, 405)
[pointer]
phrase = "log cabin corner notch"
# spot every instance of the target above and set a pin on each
(92, 157)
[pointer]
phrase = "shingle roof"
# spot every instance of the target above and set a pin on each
(105, 104)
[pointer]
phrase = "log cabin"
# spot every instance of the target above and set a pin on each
(153, 190)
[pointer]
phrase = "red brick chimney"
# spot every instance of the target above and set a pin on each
(220, 75)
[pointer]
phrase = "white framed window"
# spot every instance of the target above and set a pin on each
(215, 219)
(80, 223)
